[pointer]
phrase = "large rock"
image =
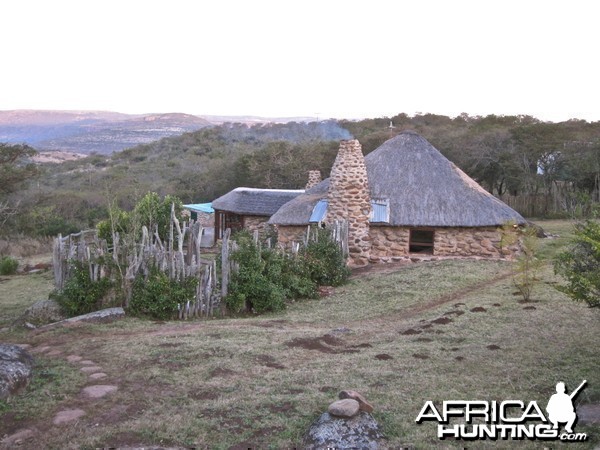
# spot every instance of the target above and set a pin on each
(361, 432)
(102, 316)
(16, 369)
(42, 313)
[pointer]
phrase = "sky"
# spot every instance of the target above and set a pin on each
(314, 58)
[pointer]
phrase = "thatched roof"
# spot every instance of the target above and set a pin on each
(423, 187)
(255, 202)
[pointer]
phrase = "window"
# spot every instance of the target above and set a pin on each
(421, 241)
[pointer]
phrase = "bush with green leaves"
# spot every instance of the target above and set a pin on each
(8, 265)
(157, 296)
(580, 264)
(267, 277)
(325, 260)
(255, 286)
(80, 294)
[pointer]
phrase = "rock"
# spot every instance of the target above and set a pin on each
(29, 326)
(103, 316)
(41, 313)
(97, 376)
(18, 437)
(358, 432)
(68, 415)
(16, 369)
(362, 401)
(344, 408)
(99, 390)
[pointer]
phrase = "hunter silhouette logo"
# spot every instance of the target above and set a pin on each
(508, 419)
(560, 407)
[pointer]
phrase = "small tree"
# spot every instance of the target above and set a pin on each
(580, 264)
(526, 264)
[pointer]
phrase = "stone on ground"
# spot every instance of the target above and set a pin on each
(344, 408)
(68, 415)
(16, 369)
(99, 390)
(359, 432)
(91, 369)
(362, 401)
(18, 437)
(102, 316)
(97, 376)
(74, 358)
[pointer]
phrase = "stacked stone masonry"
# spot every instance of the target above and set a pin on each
(389, 244)
(252, 223)
(349, 199)
(314, 178)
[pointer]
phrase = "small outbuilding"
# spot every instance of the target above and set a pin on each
(249, 208)
(405, 198)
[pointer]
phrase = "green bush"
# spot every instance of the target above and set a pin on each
(325, 260)
(580, 264)
(267, 277)
(158, 296)
(254, 285)
(81, 295)
(8, 265)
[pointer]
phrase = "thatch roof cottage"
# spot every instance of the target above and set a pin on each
(249, 208)
(403, 198)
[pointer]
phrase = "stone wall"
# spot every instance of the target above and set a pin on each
(388, 242)
(314, 178)
(483, 241)
(259, 223)
(349, 199)
(290, 233)
(392, 243)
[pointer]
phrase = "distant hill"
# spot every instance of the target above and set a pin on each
(92, 131)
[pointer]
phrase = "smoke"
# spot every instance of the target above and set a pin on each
(330, 130)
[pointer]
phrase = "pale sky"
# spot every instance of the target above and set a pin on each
(325, 58)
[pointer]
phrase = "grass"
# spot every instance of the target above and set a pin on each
(18, 292)
(263, 380)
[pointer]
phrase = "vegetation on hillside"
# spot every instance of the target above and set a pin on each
(516, 155)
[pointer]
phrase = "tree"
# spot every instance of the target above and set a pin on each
(15, 166)
(580, 264)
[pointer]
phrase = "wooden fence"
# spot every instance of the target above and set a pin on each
(179, 257)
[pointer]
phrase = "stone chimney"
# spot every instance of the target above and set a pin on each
(314, 178)
(349, 199)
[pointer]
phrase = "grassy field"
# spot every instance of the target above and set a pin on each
(428, 331)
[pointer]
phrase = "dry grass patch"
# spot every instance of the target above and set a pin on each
(431, 331)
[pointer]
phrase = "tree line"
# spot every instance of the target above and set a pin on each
(508, 155)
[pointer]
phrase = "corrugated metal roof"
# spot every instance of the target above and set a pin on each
(380, 210)
(200, 207)
(319, 211)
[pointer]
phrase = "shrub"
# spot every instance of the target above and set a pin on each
(325, 260)
(580, 264)
(253, 286)
(527, 264)
(8, 265)
(266, 278)
(81, 295)
(158, 296)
